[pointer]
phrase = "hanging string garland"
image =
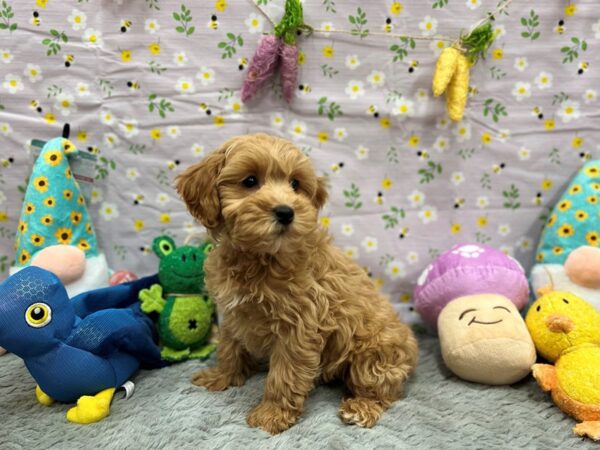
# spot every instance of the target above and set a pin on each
(451, 74)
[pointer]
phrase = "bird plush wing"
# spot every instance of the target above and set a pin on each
(119, 296)
(110, 331)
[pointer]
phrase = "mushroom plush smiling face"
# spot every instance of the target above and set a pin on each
(472, 295)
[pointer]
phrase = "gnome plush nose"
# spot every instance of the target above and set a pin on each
(559, 324)
(284, 214)
(583, 266)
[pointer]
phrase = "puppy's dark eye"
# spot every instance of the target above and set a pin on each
(250, 182)
(295, 184)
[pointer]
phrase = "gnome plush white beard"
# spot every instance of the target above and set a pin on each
(555, 277)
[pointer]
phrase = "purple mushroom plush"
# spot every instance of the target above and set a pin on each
(471, 295)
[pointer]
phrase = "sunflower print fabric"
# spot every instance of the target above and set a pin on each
(152, 86)
(52, 214)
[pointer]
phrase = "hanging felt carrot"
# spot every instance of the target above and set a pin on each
(274, 50)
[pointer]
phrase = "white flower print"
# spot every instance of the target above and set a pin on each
(347, 229)
(504, 229)
(590, 96)
(132, 173)
(327, 27)
(524, 153)
(297, 129)
(92, 38)
(206, 76)
(362, 152)
(428, 26)
(428, 214)
(83, 90)
(151, 26)
(412, 257)
(469, 251)
(12, 83)
(395, 269)
(185, 86)
(255, 23)
(173, 131)
(482, 202)
(77, 19)
(376, 79)
(180, 59)
(457, 178)
(109, 211)
(352, 62)
(277, 120)
(111, 140)
(197, 150)
(6, 56)
(403, 108)
(543, 80)
(569, 110)
(351, 252)
(162, 198)
(355, 89)
(437, 45)
(129, 127)
(521, 90)
(596, 29)
(33, 72)
(5, 128)
(521, 63)
(462, 131)
(369, 244)
(416, 198)
(65, 103)
(106, 117)
(473, 4)
(441, 144)
(340, 134)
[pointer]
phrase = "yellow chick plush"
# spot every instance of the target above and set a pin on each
(566, 330)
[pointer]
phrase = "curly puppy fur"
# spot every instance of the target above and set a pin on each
(287, 295)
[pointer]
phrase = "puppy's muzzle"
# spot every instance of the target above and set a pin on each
(283, 214)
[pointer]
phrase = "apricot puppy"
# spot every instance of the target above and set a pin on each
(287, 295)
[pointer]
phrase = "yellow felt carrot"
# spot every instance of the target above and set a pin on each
(458, 89)
(444, 70)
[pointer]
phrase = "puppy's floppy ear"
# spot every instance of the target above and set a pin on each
(321, 194)
(197, 185)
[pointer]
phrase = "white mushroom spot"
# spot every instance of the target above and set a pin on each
(469, 251)
(424, 274)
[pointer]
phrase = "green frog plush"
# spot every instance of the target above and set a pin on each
(185, 311)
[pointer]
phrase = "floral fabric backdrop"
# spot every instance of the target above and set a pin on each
(153, 86)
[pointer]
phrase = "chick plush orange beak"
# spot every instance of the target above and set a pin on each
(559, 324)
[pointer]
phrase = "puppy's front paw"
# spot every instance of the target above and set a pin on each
(272, 418)
(215, 380)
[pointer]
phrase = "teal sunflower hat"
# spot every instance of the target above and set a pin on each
(575, 220)
(54, 210)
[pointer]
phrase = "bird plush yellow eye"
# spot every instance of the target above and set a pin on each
(38, 315)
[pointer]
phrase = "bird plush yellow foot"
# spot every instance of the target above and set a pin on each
(589, 429)
(91, 409)
(44, 399)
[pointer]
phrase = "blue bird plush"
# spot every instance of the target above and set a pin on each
(78, 350)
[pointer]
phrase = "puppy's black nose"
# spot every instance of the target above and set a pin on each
(284, 214)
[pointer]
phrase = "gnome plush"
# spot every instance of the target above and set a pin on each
(568, 255)
(55, 229)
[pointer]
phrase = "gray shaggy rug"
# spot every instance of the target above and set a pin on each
(167, 411)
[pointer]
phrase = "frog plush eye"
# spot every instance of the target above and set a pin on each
(38, 315)
(163, 246)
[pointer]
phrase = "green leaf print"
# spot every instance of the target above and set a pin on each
(466, 153)
(137, 149)
(393, 96)
(401, 50)
(228, 47)
(554, 156)
(392, 155)
(352, 197)
(184, 17)
(329, 6)
(156, 67)
(496, 73)
(332, 111)
(103, 167)
(486, 181)
(358, 22)
(482, 238)
(392, 218)
(53, 43)
(153, 4)
(106, 87)
(161, 105)
(439, 4)
(385, 259)
(7, 13)
(531, 23)
(433, 253)
(329, 71)
(225, 93)
(428, 174)
(263, 2)
(559, 98)
(53, 91)
(572, 53)
(3, 263)
(8, 233)
(162, 178)
(120, 251)
(494, 108)
(511, 198)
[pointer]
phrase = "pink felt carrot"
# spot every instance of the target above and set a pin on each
(289, 70)
(263, 66)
